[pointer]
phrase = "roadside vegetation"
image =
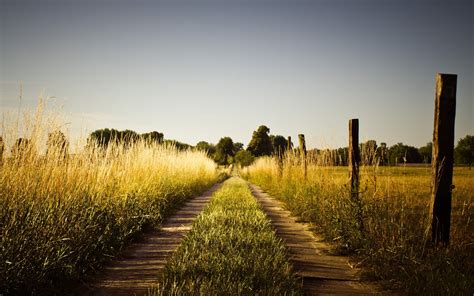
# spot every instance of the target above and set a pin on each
(62, 215)
(231, 249)
(391, 242)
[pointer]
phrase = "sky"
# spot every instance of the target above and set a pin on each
(202, 70)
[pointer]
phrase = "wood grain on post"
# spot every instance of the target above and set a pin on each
(303, 153)
(443, 156)
(354, 157)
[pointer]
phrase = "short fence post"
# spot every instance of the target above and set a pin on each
(303, 153)
(443, 157)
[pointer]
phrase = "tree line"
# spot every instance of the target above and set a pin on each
(262, 143)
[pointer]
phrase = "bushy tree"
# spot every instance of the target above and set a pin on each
(224, 151)
(177, 144)
(260, 144)
(279, 144)
(368, 151)
(464, 151)
(400, 153)
(382, 154)
(238, 147)
(210, 149)
(426, 152)
(153, 137)
(244, 158)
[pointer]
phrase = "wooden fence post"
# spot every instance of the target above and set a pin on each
(354, 157)
(303, 153)
(443, 157)
(290, 145)
(354, 162)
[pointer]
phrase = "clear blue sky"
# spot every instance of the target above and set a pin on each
(200, 70)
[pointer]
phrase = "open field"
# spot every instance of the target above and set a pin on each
(232, 249)
(62, 216)
(391, 238)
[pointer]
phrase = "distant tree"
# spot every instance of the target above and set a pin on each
(57, 145)
(210, 149)
(152, 137)
(22, 148)
(244, 158)
(102, 137)
(382, 154)
(260, 144)
(179, 145)
(224, 151)
(464, 151)
(279, 143)
(401, 153)
(368, 151)
(238, 147)
(426, 152)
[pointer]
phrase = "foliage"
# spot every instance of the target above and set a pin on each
(152, 137)
(400, 153)
(177, 144)
(244, 158)
(464, 151)
(104, 137)
(224, 151)
(279, 144)
(238, 147)
(426, 152)
(260, 144)
(368, 152)
(210, 149)
(231, 249)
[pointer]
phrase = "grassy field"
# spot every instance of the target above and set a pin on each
(395, 220)
(232, 249)
(62, 216)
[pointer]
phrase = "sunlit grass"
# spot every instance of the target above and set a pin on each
(232, 249)
(62, 215)
(396, 217)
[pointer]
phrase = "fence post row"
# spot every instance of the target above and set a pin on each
(443, 157)
(303, 153)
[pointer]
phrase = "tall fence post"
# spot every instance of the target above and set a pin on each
(443, 157)
(303, 154)
(354, 157)
(354, 162)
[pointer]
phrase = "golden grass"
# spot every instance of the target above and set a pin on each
(396, 218)
(62, 216)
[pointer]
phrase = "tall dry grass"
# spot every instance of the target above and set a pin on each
(62, 215)
(396, 219)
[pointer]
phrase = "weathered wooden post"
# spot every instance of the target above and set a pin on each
(443, 156)
(303, 154)
(2, 148)
(354, 157)
(354, 162)
(290, 145)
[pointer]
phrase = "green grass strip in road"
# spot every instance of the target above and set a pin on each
(232, 249)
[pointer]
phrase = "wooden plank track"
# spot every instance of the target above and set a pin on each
(140, 266)
(322, 272)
